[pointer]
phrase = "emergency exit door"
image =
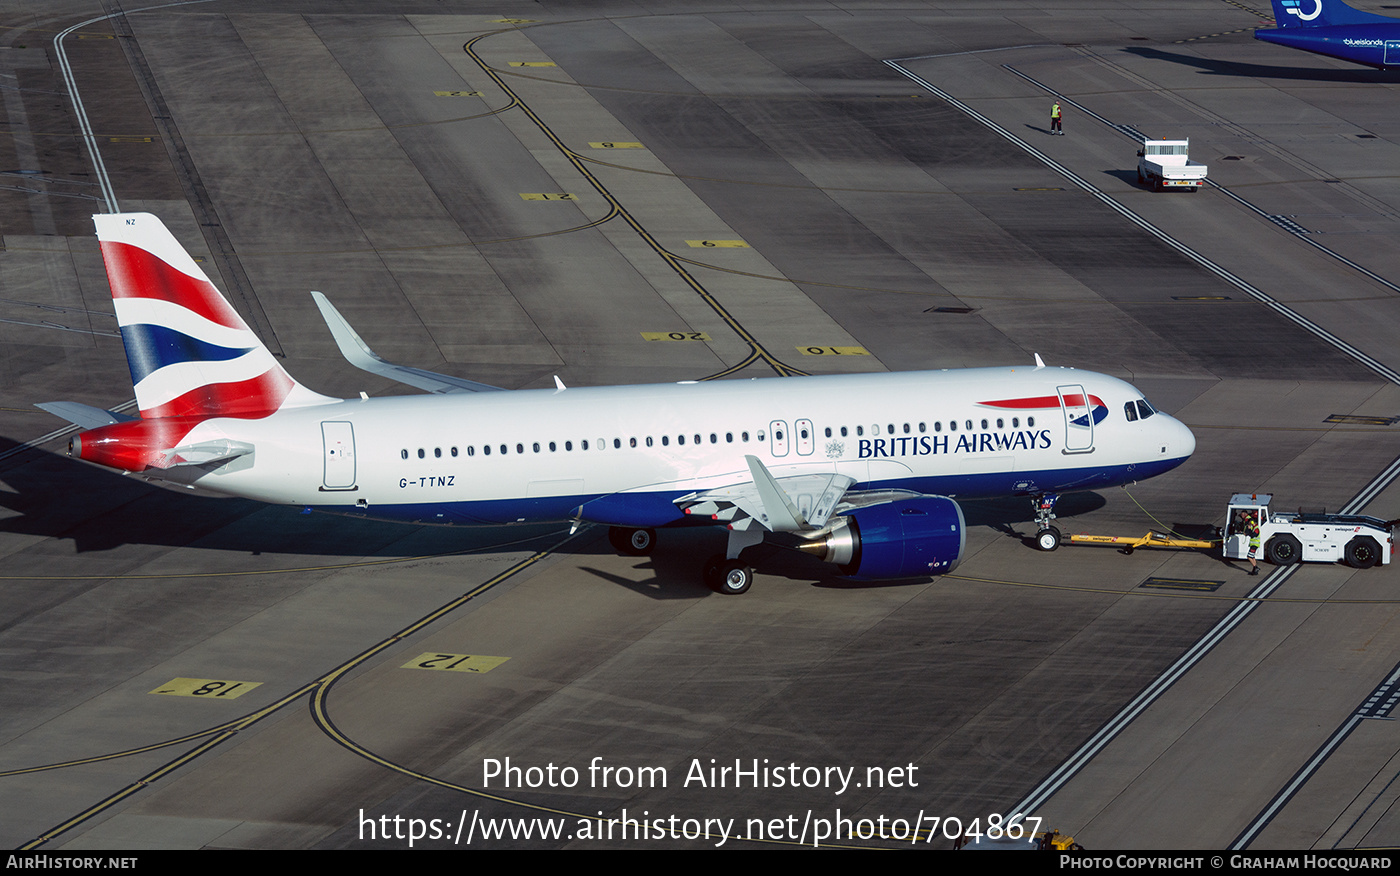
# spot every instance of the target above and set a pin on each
(338, 440)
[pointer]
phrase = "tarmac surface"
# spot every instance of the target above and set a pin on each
(815, 189)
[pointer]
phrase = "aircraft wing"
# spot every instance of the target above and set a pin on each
(797, 503)
(358, 353)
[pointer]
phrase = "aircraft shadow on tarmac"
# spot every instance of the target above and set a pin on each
(1214, 67)
(49, 495)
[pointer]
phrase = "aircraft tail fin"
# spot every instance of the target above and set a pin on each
(1321, 13)
(190, 353)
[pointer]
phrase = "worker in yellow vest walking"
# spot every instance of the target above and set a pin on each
(1055, 119)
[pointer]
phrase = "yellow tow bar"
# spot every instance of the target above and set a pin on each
(1151, 539)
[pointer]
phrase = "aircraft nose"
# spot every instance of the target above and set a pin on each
(1181, 442)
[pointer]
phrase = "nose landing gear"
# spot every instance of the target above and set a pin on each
(1047, 537)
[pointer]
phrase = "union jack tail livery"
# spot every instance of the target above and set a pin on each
(190, 353)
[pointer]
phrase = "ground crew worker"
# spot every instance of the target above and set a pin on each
(1251, 529)
(1055, 119)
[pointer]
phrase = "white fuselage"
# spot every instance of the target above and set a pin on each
(621, 455)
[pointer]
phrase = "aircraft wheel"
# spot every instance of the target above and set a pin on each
(1363, 552)
(731, 577)
(1283, 550)
(632, 542)
(1048, 538)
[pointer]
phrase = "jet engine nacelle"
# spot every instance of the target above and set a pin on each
(908, 538)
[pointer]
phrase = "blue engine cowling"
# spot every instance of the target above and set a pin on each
(923, 535)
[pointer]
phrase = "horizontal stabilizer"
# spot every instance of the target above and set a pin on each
(358, 353)
(85, 416)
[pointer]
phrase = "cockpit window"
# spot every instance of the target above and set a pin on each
(1130, 411)
(1144, 409)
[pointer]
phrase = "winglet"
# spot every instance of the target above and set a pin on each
(777, 507)
(1038, 362)
(358, 353)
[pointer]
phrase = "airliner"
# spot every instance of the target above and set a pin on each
(864, 471)
(1332, 28)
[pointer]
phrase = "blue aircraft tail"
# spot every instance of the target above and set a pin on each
(1321, 13)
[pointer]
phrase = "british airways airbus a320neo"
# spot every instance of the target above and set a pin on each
(860, 470)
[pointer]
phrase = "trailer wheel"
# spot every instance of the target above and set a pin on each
(1048, 538)
(1283, 550)
(1363, 552)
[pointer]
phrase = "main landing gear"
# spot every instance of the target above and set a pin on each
(730, 577)
(728, 574)
(724, 573)
(632, 542)
(1047, 537)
